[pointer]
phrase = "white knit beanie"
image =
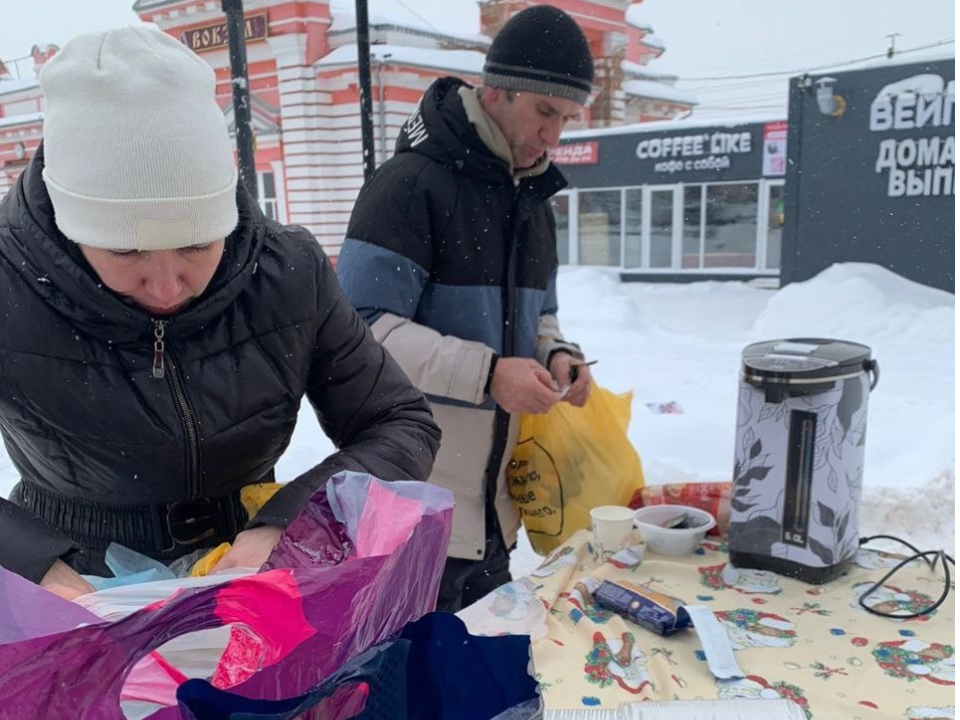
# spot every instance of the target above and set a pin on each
(137, 152)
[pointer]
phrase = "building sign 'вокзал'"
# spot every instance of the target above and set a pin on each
(214, 35)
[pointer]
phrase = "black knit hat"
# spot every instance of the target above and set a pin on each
(541, 50)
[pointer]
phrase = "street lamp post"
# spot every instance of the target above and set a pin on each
(236, 33)
(380, 63)
(366, 106)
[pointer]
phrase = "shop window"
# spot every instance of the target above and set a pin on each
(633, 228)
(775, 220)
(561, 213)
(661, 227)
(599, 227)
(267, 192)
(730, 235)
(692, 225)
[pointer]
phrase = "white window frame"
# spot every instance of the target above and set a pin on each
(573, 227)
(763, 219)
(575, 221)
(623, 226)
(763, 185)
(279, 207)
(676, 240)
(759, 240)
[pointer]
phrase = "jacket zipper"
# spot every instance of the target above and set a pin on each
(501, 421)
(163, 365)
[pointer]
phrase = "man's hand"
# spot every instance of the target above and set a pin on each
(523, 385)
(564, 367)
(63, 581)
(250, 549)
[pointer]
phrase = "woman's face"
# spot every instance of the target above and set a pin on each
(159, 281)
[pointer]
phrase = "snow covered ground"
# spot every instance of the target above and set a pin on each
(682, 343)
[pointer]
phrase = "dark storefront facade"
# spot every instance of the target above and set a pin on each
(871, 172)
(674, 201)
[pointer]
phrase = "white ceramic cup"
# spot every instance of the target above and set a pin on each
(612, 529)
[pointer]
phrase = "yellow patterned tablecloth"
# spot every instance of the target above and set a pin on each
(811, 644)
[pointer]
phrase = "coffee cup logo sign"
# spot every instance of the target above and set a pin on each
(915, 166)
(704, 151)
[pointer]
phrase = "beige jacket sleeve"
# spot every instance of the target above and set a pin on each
(550, 340)
(437, 364)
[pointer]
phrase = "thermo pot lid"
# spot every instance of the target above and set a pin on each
(799, 360)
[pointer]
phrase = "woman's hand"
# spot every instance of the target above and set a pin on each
(250, 549)
(63, 581)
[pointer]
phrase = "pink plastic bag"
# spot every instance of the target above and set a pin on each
(331, 592)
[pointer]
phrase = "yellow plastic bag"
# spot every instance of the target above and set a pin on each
(570, 460)
(203, 566)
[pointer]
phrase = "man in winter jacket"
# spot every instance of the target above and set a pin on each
(160, 332)
(450, 256)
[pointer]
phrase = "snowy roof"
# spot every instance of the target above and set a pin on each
(641, 72)
(10, 85)
(21, 119)
(658, 91)
(686, 124)
(632, 16)
(651, 40)
(264, 116)
(346, 21)
(150, 4)
(457, 61)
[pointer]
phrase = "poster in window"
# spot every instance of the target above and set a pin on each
(774, 149)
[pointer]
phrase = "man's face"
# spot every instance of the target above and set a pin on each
(531, 122)
(159, 281)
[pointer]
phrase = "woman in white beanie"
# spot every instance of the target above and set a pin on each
(160, 332)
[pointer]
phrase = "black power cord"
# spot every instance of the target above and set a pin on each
(937, 555)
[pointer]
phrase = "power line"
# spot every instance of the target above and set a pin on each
(421, 17)
(768, 102)
(758, 85)
(768, 85)
(780, 73)
(740, 108)
(892, 50)
(749, 101)
(769, 93)
(806, 52)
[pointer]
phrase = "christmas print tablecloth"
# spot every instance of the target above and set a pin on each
(811, 644)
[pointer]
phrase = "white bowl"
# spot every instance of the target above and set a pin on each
(671, 541)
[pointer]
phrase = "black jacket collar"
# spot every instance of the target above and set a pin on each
(439, 129)
(53, 266)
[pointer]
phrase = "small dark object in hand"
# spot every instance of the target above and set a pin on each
(575, 370)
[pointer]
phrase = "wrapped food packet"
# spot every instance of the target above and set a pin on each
(659, 613)
(712, 497)
(666, 615)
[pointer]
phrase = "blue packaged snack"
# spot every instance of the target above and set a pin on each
(655, 611)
